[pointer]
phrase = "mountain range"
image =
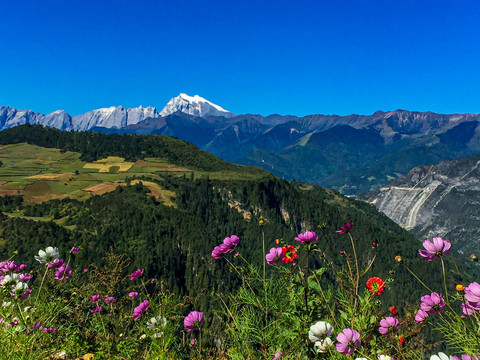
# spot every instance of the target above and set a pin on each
(351, 154)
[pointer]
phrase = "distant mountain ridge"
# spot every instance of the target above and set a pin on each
(351, 154)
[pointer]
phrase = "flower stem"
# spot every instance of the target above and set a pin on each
(41, 284)
(444, 280)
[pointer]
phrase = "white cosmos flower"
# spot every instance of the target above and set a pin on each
(383, 357)
(10, 280)
(323, 345)
(153, 323)
(320, 330)
(19, 289)
(47, 256)
(360, 358)
(441, 356)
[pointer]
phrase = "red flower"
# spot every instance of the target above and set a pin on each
(393, 310)
(401, 339)
(289, 253)
(375, 285)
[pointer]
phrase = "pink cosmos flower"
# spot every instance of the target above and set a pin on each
(192, 341)
(133, 295)
(7, 266)
(109, 300)
(433, 303)
(49, 330)
(347, 227)
(55, 264)
(278, 355)
(137, 273)
(63, 272)
(230, 243)
(25, 277)
(307, 237)
(74, 250)
(421, 316)
(97, 309)
(472, 295)
(140, 309)
(388, 325)
(95, 298)
(218, 251)
(85, 270)
(467, 309)
(348, 341)
(193, 321)
(275, 256)
(435, 249)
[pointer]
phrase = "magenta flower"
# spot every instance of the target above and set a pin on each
(218, 251)
(140, 309)
(348, 341)
(25, 277)
(95, 298)
(133, 295)
(55, 264)
(63, 272)
(230, 243)
(421, 316)
(278, 355)
(435, 249)
(307, 237)
(193, 321)
(49, 330)
(74, 250)
(347, 227)
(109, 300)
(275, 256)
(97, 309)
(433, 303)
(472, 295)
(7, 266)
(136, 274)
(388, 325)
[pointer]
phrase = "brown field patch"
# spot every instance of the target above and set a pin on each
(142, 163)
(101, 189)
(157, 192)
(40, 199)
(38, 187)
(51, 177)
(4, 192)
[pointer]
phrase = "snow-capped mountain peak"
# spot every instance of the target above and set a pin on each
(194, 105)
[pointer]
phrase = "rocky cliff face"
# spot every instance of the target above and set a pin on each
(436, 200)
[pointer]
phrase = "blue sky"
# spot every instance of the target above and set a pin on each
(288, 57)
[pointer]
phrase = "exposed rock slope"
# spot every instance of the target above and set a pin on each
(436, 200)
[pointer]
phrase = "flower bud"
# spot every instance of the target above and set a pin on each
(474, 257)
(398, 259)
(460, 288)
(374, 244)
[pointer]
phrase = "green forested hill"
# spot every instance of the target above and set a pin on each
(173, 241)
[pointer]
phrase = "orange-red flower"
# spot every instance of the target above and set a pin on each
(375, 285)
(393, 310)
(401, 340)
(289, 253)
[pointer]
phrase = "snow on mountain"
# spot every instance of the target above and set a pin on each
(58, 119)
(112, 117)
(10, 117)
(194, 105)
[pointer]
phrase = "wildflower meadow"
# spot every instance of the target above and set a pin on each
(52, 308)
